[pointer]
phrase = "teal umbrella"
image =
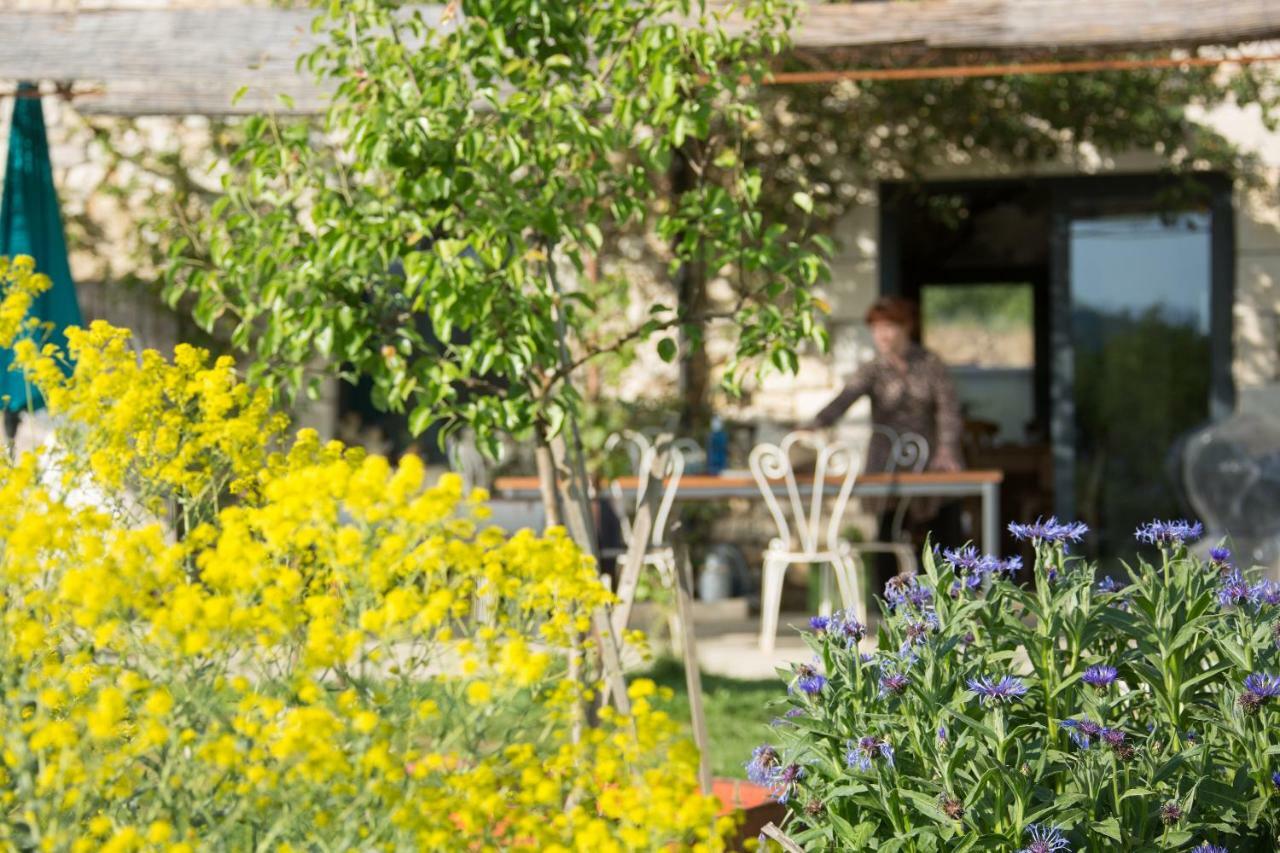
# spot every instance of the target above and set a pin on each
(30, 224)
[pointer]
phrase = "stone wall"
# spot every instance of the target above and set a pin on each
(107, 171)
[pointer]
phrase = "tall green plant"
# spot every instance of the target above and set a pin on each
(441, 236)
(1082, 714)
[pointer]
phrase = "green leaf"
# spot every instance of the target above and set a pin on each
(803, 201)
(1109, 828)
(1234, 651)
(419, 420)
(667, 350)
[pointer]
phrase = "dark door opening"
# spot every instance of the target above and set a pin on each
(1086, 322)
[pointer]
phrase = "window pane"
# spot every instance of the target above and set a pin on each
(1140, 287)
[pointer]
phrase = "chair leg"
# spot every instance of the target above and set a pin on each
(843, 582)
(824, 580)
(851, 568)
(771, 602)
(906, 559)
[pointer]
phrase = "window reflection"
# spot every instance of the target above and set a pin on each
(1140, 287)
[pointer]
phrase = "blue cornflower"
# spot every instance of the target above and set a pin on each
(997, 692)
(1206, 847)
(764, 764)
(785, 781)
(894, 683)
(1169, 532)
(916, 632)
(1083, 731)
(1113, 738)
(967, 560)
(819, 624)
(1051, 531)
(942, 734)
(1008, 567)
(1259, 689)
(786, 718)
(907, 590)
(1263, 685)
(1265, 592)
(809, 680)
(966, 582)
(1220, 558)
(866, 750)
(1045, 839)
(1275, 780)
(1108, 584)
(846, 626)
(1234, 590)
(1100, 676)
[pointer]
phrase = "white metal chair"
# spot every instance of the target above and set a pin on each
(468, 461)
(908, 451)
(807, 533)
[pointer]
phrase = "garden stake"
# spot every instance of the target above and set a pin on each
(782, 838)
(692, 674)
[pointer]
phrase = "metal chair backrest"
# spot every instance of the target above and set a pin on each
(467, 460)
(660, 462)
(801, 524)
(907, 451)
(912, 453)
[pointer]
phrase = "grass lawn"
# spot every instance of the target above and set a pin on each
(738, 712)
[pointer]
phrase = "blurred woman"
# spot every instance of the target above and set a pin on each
(910, 391)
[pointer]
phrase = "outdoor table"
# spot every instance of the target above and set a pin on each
(926, 484)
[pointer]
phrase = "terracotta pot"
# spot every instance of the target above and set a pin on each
(753, 800)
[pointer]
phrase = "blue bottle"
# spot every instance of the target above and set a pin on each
(717, 447)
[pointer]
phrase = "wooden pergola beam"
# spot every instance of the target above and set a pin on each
(192, 61)
(1021, 25)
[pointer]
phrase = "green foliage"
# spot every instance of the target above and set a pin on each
(1183, 749)
(440, 234)
(992, 306)
(833, 141)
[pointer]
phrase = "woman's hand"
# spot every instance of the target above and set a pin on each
(945, 460)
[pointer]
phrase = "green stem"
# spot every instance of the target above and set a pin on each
(998, 724)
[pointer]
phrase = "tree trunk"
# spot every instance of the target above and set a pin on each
(547, 480)
(691, 298)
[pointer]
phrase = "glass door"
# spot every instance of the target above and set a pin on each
(1139, 288)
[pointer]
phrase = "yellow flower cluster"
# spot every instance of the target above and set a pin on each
(314, 650)
(181, 436)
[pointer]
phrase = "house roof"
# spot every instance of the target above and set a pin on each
(192, 60)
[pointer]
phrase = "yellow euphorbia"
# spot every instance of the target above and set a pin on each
(217, 638)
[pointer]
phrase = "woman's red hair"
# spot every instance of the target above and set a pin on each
(893, 309)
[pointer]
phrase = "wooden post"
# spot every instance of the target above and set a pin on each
(633, 561)
(581, 524)
(689, 652)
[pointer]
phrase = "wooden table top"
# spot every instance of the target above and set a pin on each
(694, 482)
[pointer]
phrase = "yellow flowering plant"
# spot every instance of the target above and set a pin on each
(217, 638)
